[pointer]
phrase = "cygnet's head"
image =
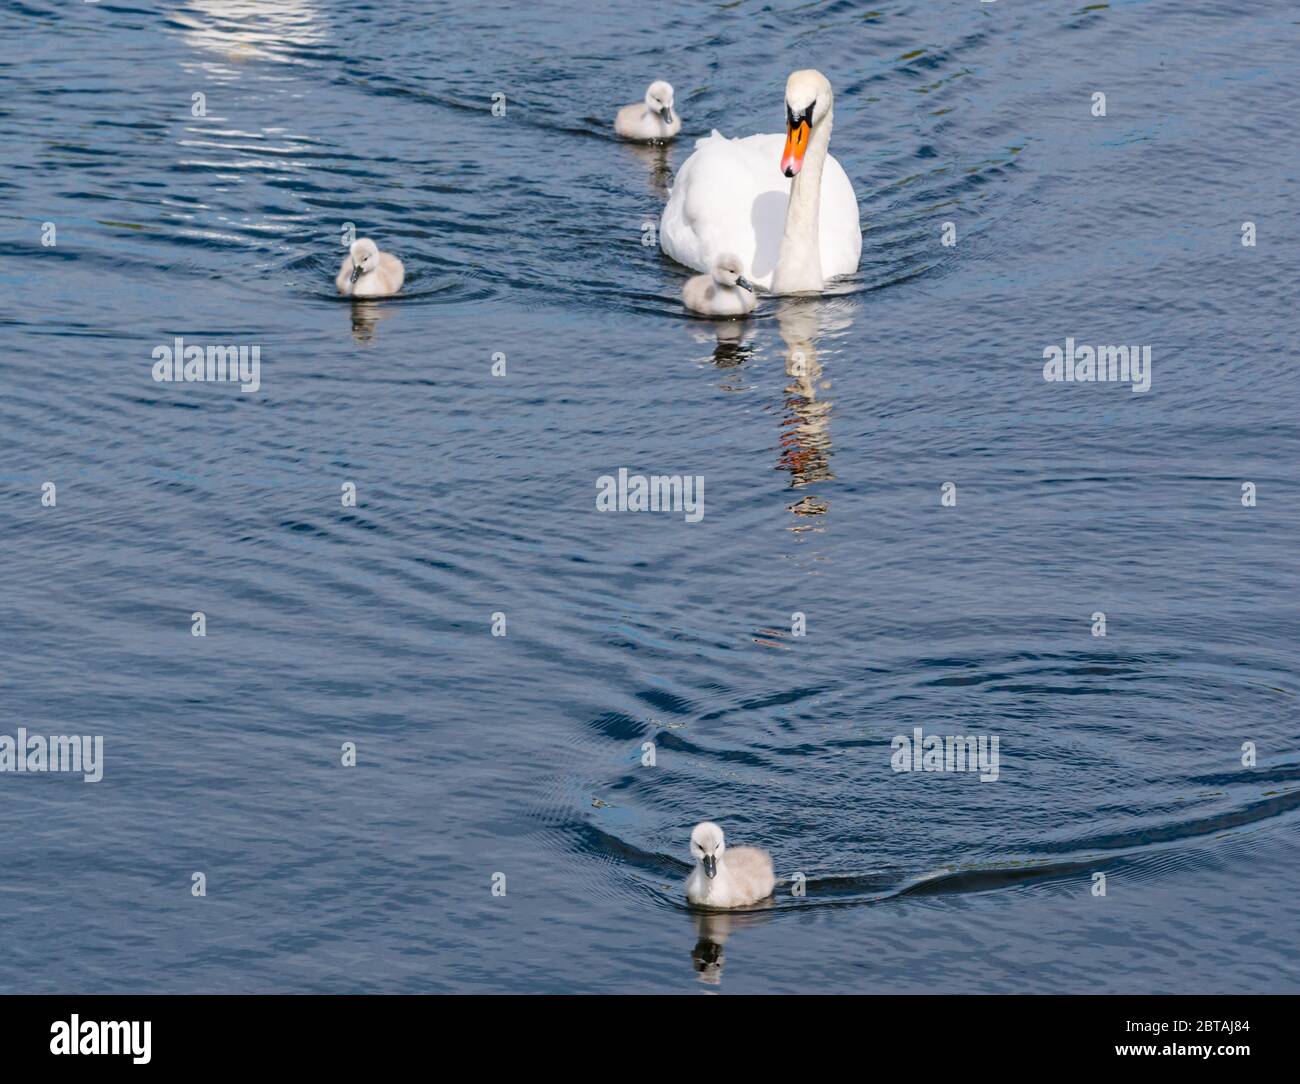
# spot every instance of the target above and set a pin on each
(365, 257)
(707, 846)
(659, 99)
(729, 271)
(808, 100)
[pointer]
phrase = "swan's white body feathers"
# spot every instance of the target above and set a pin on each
(730, 196)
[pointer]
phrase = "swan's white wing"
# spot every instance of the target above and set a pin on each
(840, 233)
(730, 196)
(723, 201)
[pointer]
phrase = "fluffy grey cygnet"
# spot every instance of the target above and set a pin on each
(724, 292)
(652, 119)
(726, 876)
(367, 272)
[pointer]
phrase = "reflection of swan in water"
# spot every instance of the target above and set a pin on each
(805, 440)
(732, 350)
(242, 30)
(730, 341)
(365, 315)
(712, 928)
(805, 447)
(655, 158)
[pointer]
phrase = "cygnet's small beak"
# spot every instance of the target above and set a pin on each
(356, 271)
(667, 113)
(744, 283)
(710, 863)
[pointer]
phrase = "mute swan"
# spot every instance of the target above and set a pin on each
(652, 119)
(726, 292)
(730, 196)
(736, 878)
(367, 272)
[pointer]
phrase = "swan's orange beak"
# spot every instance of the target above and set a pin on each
(796, 142)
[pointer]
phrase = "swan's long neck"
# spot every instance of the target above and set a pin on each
(799, 265)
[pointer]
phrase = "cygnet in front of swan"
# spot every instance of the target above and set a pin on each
(367, 272)
(781, 203)
(652, 119)
(726, 877)
(726, 292)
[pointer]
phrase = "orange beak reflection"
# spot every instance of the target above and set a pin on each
(796, 142)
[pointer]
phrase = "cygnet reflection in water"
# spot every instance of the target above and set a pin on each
(712, 928)
(731, 344)
(659, 170)
(732, 349)
(365, 316)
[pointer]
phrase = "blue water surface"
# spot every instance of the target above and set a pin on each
(521, 761)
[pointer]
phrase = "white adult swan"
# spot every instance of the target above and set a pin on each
(726, 877)
(736, 195)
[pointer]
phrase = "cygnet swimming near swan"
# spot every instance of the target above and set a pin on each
(652, 119)
(726, 877)
(367, 272)
(725, 292)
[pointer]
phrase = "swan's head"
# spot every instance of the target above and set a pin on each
(729, 271)
(659, 99)
(807, 104)
(365, 257)
(707, 846)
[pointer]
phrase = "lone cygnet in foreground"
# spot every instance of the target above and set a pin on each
(652, 119)
(367, 272)
(726, 878)
(726, 292)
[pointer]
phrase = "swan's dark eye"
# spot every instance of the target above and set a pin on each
(804, 117)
